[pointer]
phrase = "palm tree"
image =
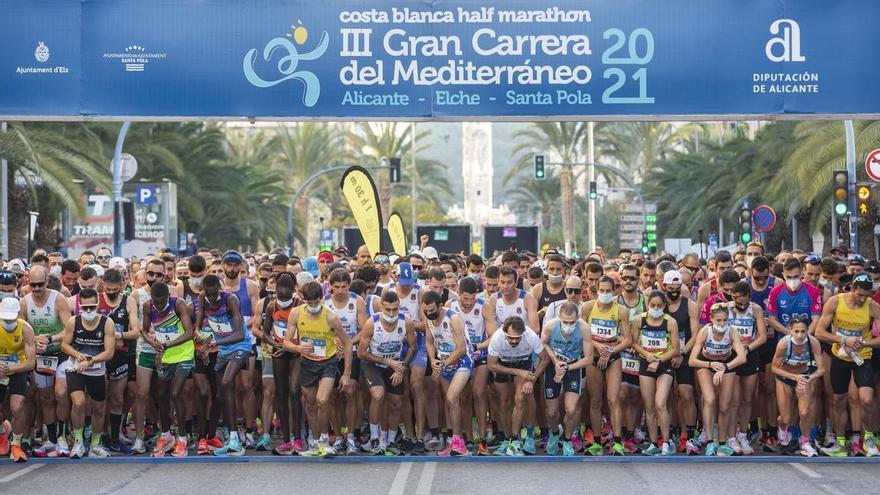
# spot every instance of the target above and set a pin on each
(637, 146)
(542, 195)
(304, 149)
(46, 160)
(821, 149)
(370, 141)
(564, 142)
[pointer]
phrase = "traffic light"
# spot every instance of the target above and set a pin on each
(539, 167)
(863, 198)
(394, 171)
(745, 225)
(593, 193)
(840, 180)
(645, 242)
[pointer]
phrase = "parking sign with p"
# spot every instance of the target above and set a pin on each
(146, 195)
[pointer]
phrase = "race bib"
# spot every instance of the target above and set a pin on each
(279, 328)
(629, 363)
(603, 333)
(47, 364)
(320, 346)
(653, 344)
(563, 358)
(166, 334)
(221, 328)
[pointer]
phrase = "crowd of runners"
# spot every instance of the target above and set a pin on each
(449, 354)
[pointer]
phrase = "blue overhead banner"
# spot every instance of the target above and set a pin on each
(445, 59)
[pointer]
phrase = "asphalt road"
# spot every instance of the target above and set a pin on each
(423, 475)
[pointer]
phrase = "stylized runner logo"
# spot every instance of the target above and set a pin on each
(288, 64)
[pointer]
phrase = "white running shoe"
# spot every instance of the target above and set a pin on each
(78, 451)
(807, 450)
(744, 444)
(98, 451)
(61, 448)
(138, 446)
(734, 445)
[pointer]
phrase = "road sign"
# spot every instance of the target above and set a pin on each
(872, 165)
(637, 208)
(146, 195)
(764, 218)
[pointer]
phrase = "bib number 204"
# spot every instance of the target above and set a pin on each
(639, 51)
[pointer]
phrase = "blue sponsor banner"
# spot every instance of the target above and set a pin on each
(437, 59)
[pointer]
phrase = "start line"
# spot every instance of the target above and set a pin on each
(470, 459)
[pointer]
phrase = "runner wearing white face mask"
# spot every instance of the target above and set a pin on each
(553, 289)
(609, 324)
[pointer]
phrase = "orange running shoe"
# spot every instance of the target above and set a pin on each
(589, 437)
(214, 443)
(179, 448)
(164, 444)
(17, 454)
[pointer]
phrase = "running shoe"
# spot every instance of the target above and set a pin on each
(326, 449)
(418, 447)
(668, 448)
(447, 452)
(630, 447)
(734, 445)
(502, 449)
(856, 449)
(807, 449)
(405, 444)
(791, 448)
(61, 448)
(351, 447)
(46, 450)
(682, 442)
(233, 447)
(836, 450)
(215, 443)
(639, 436)
(137, 447)
(163, 445)
(711, 449)
(98, 451)
(392, 450)
(529, 445)
(567, 448)
(433, 443)
(249, 442)
(125, 440)
(691, 448)
(180, 448)
(745, 444)
(16, 453)
(552, 447)
(870, 446)
(724, 451)
(589, 437)
(375, 449)
(298, 446)
(264, 444)
(576, 443)
(78, 451)
(459, 449)
(593, 449)
(829, 439)
(203, 447)
(514, 449)
(481, 448)
(339, 446)
(618, 449)
(771, 446)
(284, 448)
(651, 450)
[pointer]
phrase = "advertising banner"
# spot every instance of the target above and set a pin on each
(437, 59)
(360, 191)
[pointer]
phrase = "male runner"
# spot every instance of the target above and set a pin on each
(384, 363)
(46, 310)
(318, 330)
(89, 339)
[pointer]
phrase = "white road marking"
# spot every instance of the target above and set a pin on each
(20, 472)
(831, 489)
(426, 479)
(804, 469)
(399, 483)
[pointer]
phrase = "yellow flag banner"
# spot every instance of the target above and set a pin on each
(363, 199)
(397, 233)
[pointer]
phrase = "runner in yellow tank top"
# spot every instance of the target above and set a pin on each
(17, 358)
(321, 339)
(846, 324)
(609, 330)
